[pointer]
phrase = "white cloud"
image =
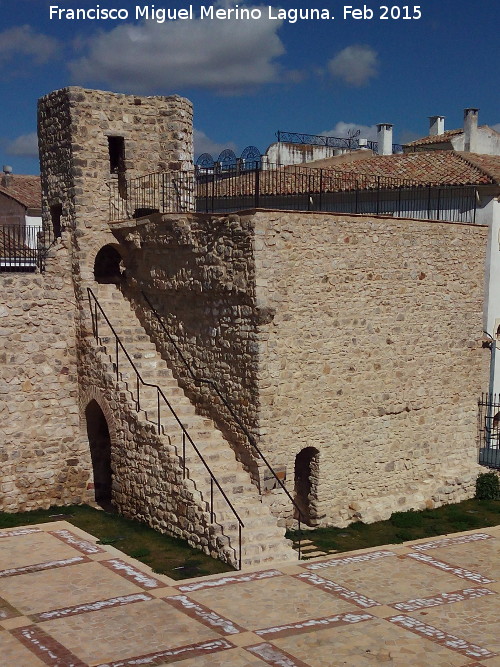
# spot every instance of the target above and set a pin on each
(355, 65)
(343, 129)
(24, 40)
(26, 145)
(228, 56)
(203, 144)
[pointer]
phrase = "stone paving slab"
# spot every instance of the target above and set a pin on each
(67, 602)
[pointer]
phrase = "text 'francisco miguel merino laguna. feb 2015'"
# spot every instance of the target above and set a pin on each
(211, 12)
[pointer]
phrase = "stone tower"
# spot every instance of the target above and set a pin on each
(92, 143)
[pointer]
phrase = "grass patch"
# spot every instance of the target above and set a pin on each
(406, 526)
(164, 554)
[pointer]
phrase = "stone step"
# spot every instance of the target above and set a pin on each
(263, 540)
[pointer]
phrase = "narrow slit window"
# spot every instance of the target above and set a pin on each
(55, 215)
(116, 146)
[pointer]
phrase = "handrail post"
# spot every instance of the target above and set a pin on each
(158, 406)
(239, 545)
(138, 394)
(183, 455)
(213, 192)
(211, 499)
(116, 347)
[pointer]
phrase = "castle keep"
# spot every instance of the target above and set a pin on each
(182, 365)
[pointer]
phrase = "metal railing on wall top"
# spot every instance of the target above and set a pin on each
(292, 188)
(23, 249)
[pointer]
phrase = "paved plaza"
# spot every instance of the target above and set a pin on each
(67, 601)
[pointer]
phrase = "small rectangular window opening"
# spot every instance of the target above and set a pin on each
(55, 215)
(116, 147)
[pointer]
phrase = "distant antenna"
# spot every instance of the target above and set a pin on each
(352, 135)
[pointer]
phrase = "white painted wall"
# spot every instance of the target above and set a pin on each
(487, 142)
(287, 153)
(491, 211)
(32, 221)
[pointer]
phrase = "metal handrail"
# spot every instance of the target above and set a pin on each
(185, 434)
(243, 428)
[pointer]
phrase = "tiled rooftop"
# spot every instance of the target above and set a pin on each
(436, 138)
(25, 189)
(67, 601)
(444, 137)
(440, 167)
(422, 168)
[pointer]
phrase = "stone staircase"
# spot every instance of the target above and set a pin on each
(262, 540)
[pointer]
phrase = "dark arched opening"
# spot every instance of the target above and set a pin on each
(100, 452)
(306, 484)
(108, 265)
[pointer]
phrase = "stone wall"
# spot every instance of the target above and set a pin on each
(52, 368)
(198, 272)
(373, 357)
(44, 460)
(357, 336)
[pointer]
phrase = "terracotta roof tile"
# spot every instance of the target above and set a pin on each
(489, 164)
(435, 139)
(425, 168)
(436, 167)
(25, 189)
(444, 137)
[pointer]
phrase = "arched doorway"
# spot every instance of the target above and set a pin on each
(306, 484)
(100, 452)
(108, 265)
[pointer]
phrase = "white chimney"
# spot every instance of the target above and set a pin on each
(384, 138)
(470, 129)
(436, 125)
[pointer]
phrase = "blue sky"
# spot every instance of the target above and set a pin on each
(249, 78)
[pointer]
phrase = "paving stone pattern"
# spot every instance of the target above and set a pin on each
(66, 602)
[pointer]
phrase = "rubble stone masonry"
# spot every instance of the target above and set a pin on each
(358, 336)
(75, 126)
(44, 459)
(373, 357)
(198, 271)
